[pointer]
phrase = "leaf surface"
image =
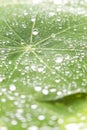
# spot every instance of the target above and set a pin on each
(43, 67)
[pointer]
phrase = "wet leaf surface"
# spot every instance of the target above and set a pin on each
(43, 67)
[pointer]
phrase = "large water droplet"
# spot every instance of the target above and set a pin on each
(35, 32)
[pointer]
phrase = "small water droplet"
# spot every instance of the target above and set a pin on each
(41, 117)
(60, 121)
(33, 19)
(53, 35)
(33, 128)
(45, 128)
(1, 78)
(35, 32)
(59, 93)
(34, 106)
(45, 91)
(14, 122)
(51, 14)
(73, 126)
(24, 25)
(25, 13)
(3, 128)
(37, 88)
(58, 58)
(12, 87)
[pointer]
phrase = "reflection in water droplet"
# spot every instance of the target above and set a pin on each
(33, 128)
(35, 32)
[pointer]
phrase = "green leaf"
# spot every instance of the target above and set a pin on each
(43, 67)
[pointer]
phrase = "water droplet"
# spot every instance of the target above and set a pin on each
(33, 19)
(35, 32)
(52, 90)
(57, 80)
(59, 93)
(3, 128)
(53, 35)
(10, 62)
(12, 87)
(34, 106)
(60, 121)
(58, 2)
(33, 128)
(24, 25)
(51, 14)
(41, 117)
(40, 69)
(37, 88)
(25, 13)
(14, 122)
(1, 78)
(73, 126)
(58, 58)
(45, 91)
(45, 128)
(3, 100)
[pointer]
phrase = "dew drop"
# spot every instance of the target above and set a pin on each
(3, 128)
(58, 58)
(41, 117)
(33, 106)
(73, 126)
(53, 35)
(12, 87)
(33, 128)
(60, 121)
(45, 128)
(58, 2)
(33, 19)
(59, 93)
(25, 13)
(37, 88)
(14, 122)
(24, 25)
(1, 79)
(35, 32)
(45, 91)
(51, 14)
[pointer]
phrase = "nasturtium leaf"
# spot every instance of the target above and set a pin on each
(43, 66)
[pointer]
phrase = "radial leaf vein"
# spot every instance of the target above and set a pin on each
(7, 23)
(58, 33)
